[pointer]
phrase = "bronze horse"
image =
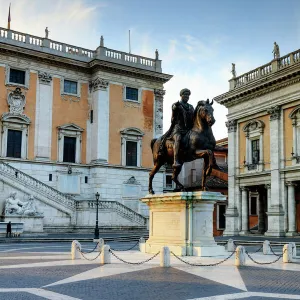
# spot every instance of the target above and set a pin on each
(199, 142)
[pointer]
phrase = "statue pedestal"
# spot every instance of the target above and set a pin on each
(31, 223)
(184, 222)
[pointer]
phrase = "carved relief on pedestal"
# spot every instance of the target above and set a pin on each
(159, 96)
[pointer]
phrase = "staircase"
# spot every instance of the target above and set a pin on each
(37, 186)
(121, 210)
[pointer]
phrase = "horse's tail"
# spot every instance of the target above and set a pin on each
(152, 143)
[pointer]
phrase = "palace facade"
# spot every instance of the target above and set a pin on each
(264, 149)
(75, 122)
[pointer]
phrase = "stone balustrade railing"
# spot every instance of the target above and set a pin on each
(38, 186)
(61, 49)
(116, 206)
(260, 72)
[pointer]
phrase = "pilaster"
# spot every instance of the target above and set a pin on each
(291, 209)
(99, 88)
(245, 211)
(43, 124)
(158, 109)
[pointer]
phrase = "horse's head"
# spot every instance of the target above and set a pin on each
(205, 112)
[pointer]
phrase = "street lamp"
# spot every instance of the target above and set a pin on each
(97, 228)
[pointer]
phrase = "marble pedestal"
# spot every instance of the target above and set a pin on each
(184, 222)
(31, 223)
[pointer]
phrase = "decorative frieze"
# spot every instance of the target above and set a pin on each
(98, 84)
(45, 78)
(274, 112)
(231, 125)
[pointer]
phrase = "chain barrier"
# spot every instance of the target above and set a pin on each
(133, 263)
(202, 265)
(90, 251)
(274, 252)
(90, 259)
(266, 263)
(126, 249)
(258, 249)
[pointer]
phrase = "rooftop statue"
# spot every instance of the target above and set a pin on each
(189, 137)
(276, 51)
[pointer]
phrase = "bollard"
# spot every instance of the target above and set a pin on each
(105, 256)
(266, 247)
(230, 245)
(75, 250)
(165, 257)
(142, 245)
(100, 244)
(294, 249)
(287, 253)
(240, 256)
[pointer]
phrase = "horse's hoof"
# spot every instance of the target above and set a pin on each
(151, 192)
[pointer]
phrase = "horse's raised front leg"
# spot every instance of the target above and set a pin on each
(151, 176)
(176, 171)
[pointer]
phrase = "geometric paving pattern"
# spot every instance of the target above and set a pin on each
(32, 276)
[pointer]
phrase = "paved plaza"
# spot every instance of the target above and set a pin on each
(46, 271)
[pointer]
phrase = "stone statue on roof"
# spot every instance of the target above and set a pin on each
(276, 51)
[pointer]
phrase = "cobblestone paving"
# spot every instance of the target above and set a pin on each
(19, 296)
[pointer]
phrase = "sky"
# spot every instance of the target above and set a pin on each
(197, 40)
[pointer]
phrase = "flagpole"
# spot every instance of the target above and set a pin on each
(9, 19)
(129, 43)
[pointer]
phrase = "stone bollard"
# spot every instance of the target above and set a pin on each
(294, 249)
(100, 244)
(165, 257)
(142, 245)
(240, 256)
(75, 250)
(266, 248)
(287, 253)
(105, 256)
(230, 245)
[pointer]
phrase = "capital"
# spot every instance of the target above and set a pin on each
(98, 84)
(159, 94)
(290, 183)
(244, 188)
(45, 78)
(274, 112)
(267, 186)
(231, 125)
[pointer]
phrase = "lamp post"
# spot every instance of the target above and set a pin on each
(97, 228)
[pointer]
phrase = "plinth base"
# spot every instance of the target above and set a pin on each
(184, 223)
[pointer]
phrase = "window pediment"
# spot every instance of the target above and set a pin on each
(133, 131)
(295, 114)
(18, 119)
(254, 125)
(70, 127)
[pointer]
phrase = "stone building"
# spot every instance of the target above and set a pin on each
(264, 149)
(75, 122)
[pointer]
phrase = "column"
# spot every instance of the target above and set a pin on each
(275, 212)
(232, 216)
(43, 124)
(245, 211)
(100, 127)
(268, 188)
(261, 214)
(158, 112)
(291, 209)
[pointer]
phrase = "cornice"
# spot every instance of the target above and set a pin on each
(260, 87)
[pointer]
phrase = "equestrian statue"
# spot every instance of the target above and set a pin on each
(189, 137)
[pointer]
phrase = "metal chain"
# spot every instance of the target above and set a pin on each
(126, 249)
(202, 265)
(90, 259)
(132, 263)
(258, 249)
(90, 251)
(260, 263)
(274, 252)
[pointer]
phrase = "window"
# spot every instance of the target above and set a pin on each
(131, 144)
(92, 116)
(255, 151)
(253, 206)
(69, 149)
(169, 182)
(70, 87)
(85, 179)
(132, 94)
(14, 143)
(69, 143)
(131, 153)
(17, 76)
(50, 177)
(221, 209)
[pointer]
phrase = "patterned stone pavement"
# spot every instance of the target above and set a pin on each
(27, 274)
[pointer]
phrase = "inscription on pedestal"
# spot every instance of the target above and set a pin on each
(166, 224)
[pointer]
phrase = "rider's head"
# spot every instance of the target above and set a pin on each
(185, 95)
